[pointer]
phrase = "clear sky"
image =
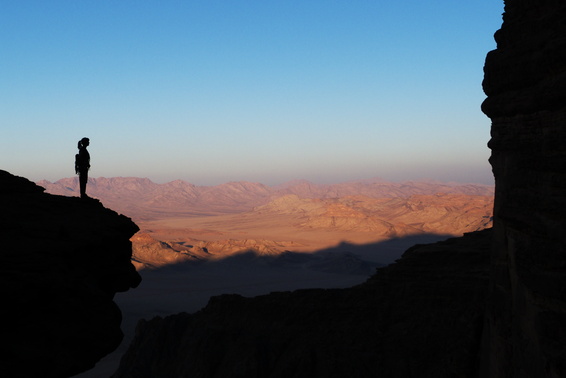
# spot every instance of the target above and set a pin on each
(266, 90)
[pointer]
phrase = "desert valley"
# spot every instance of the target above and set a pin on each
(246, 238)
(181, 222)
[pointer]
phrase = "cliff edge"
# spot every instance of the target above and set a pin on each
(62, 261)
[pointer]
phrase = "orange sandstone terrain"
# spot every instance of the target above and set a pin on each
(181, 222)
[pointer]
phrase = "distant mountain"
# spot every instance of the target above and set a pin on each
(142, 199)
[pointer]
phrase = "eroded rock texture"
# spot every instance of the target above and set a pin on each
(62, 260)
(525, 80)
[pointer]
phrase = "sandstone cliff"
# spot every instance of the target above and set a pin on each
(525, 80)
(62, 261)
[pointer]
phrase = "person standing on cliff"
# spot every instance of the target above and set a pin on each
(82, 165)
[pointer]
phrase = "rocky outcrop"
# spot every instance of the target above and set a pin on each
(525, 80)
(62, 261)
(421, 317)
(148, 252)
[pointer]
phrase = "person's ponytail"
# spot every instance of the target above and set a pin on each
(83, 143)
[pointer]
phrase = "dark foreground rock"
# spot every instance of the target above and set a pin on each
(420, 317)
(62, 260)
(525, 80)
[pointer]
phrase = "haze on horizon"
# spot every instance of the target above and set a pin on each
(217, 91)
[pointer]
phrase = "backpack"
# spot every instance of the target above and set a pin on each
(77, 164)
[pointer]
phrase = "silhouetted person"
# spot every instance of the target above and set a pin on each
(82, 165)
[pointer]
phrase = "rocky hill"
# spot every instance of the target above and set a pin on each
(62, 261)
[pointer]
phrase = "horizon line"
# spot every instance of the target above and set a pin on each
(368, 180)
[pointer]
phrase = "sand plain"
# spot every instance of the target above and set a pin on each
(275, 227)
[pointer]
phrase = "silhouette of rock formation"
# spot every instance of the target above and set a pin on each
(525, 80)
(452, 309)
(62, 261)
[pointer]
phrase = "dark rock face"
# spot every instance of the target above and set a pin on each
(62, 261)
(525, 80)
(420, 317)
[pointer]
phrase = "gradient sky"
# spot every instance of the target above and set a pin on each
(267, 91)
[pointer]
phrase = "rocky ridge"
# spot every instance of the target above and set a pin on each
(62, 261)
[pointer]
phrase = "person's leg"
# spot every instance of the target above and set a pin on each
(83, 178)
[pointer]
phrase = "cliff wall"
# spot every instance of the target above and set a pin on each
(62, 259)
(525, 81)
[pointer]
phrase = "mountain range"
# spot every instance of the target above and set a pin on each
(143, 199)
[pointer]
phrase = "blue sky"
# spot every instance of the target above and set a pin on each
(266, 91)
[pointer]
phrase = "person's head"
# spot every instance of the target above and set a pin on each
(84, 142)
